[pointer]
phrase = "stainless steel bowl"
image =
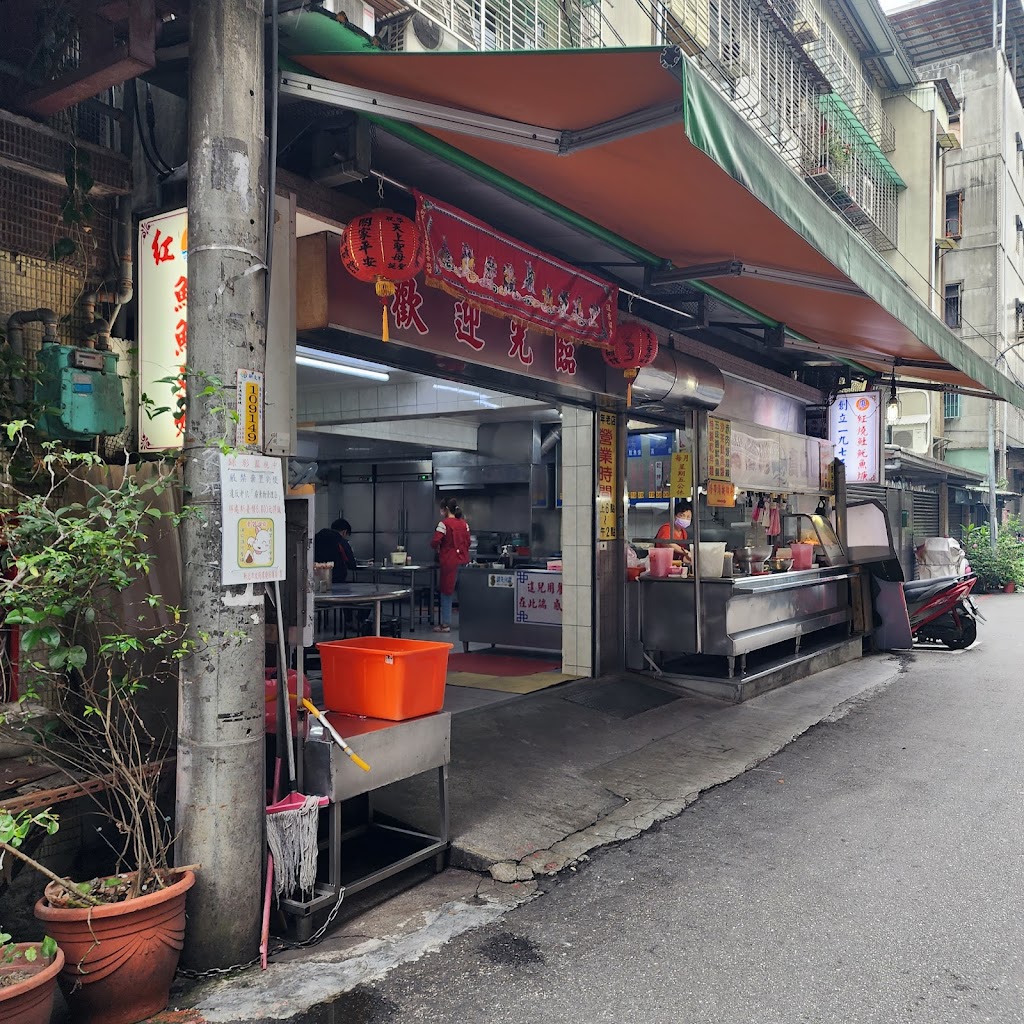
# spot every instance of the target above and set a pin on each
(780, 564)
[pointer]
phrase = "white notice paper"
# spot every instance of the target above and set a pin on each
(252, 505)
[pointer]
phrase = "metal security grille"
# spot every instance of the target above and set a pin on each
(745, 50)
(30, 224)
(926, 516)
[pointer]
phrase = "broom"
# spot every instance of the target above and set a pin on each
(292, 821)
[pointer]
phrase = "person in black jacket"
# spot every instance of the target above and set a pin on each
(332, 546)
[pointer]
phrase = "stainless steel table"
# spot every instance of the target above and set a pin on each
(385, 574)
(394, 751)
(348, 594)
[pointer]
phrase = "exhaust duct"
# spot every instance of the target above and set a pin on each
(677, 380)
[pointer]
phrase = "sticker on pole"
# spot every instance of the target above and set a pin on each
(252, 509)
(249, 406)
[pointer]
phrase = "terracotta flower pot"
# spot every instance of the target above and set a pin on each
(121, 957)
(1009, 588)
(30, 1001)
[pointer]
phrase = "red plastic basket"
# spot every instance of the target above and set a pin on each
(383, 677)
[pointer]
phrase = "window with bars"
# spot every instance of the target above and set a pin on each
(951, 404)
(953, 305)
(954, 214)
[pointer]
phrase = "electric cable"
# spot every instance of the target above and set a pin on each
(150, 159)
(151, 124)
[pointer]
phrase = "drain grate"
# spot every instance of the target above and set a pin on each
(621, 699)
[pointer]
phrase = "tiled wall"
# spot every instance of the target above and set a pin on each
(578, 511)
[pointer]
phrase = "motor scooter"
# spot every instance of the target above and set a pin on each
(942, 611)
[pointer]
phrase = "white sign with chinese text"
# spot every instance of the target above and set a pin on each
(163, 329)
(855, 428)
(501, 580)
(538, 598)
(252, 504)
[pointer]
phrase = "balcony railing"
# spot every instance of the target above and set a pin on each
(488, 25)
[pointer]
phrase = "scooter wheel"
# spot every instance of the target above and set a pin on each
(966, 638)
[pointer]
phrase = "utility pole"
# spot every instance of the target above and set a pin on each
(993, 528)
(220, 773)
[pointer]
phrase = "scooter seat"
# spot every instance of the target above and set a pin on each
(920, 590)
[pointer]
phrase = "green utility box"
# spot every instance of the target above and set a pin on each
(81, 392)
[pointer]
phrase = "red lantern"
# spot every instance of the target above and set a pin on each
(382, 248)
(634, 346)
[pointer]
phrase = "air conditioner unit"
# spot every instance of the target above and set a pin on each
(915, 438)
(418, 34)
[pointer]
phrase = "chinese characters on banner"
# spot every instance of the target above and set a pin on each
(499, 275)
(682, 475)
(252, 506)
(538, 598)
(719, 448)
(475, 329)
(855, 430)
(607, 464)
(163, 329)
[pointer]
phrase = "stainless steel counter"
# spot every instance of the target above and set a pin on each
(372, 850)
(487, 613)
(740, 614)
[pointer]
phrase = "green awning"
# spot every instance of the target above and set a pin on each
(690, 190)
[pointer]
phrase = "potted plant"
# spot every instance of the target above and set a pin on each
(76, 568)
(28, 970)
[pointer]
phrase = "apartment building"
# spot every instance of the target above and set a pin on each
(982, 237)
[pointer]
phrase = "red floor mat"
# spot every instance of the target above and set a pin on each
(500, 665)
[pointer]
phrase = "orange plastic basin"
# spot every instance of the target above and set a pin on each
(382, 677)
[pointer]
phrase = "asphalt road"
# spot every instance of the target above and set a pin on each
(870, 873)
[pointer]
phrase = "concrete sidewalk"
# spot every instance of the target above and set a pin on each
(537, 782)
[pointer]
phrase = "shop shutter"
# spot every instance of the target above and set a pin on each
(866, 492)
(956, 518)
(926, 516)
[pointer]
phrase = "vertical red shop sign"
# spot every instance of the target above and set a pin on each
(163, 329)
(607, 462)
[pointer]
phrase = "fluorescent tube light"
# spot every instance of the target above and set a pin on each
(349, 371)
(339, 359)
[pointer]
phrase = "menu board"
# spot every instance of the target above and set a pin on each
(763, 459)
(719, 448)
(607, 466)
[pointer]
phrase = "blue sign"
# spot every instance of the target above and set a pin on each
(661, 444)
(634, 446)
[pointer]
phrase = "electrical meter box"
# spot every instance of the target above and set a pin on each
(81, 392)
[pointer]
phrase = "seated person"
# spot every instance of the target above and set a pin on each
(669, 534)
(332, 546)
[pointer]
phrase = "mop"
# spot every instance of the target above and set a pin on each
(292, 821)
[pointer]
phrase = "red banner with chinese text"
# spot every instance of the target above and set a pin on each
(501, 276)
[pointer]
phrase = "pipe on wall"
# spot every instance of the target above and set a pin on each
(16, 339)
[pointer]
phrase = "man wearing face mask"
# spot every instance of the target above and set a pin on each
(669, 535)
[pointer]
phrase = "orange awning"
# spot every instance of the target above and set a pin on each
(694, 189)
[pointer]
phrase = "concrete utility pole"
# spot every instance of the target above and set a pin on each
(220, 731)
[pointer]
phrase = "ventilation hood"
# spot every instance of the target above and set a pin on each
(677, 381)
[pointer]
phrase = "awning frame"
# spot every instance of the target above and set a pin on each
(465, 122)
